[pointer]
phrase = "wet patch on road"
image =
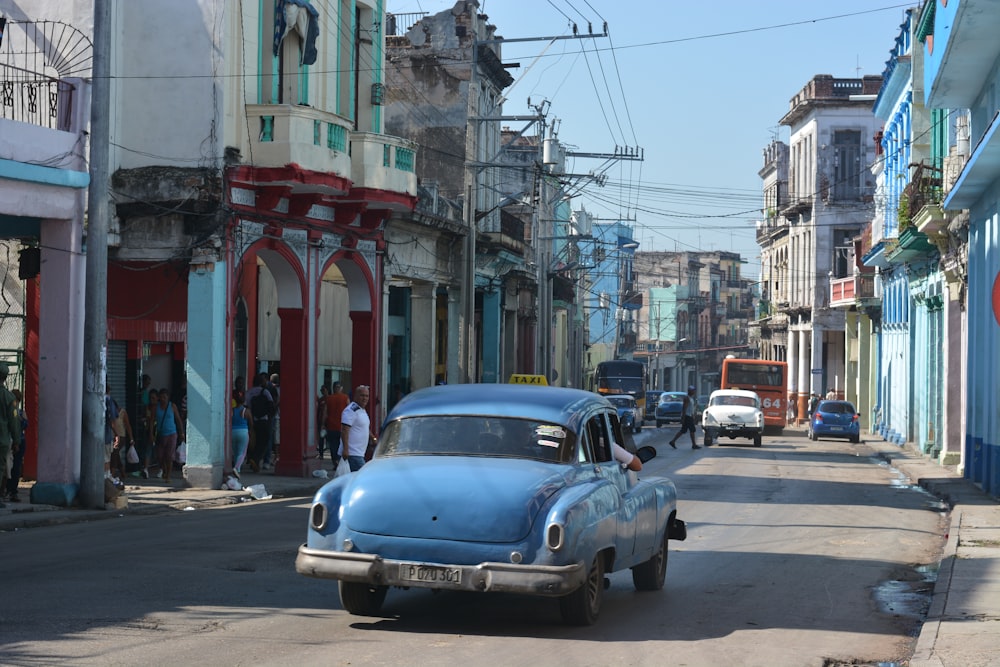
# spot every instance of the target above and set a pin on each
(909, 595)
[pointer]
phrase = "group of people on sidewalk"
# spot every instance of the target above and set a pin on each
(157, 443)
(345, 426)
(255, 423)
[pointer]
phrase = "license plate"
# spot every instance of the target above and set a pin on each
(430, 573)
(836, 428)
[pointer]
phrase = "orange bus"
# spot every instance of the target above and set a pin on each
(768, 378)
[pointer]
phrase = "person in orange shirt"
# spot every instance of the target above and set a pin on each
(334, 405)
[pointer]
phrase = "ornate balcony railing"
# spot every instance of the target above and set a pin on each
(30, 53)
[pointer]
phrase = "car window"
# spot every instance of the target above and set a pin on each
(595, 438)
(837, 407)
(727, 399)
(672, 397)
(478, 436)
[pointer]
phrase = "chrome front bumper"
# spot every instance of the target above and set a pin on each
(548, 580)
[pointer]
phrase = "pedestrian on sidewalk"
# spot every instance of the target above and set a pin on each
(687, 419)
(240, 432)
(170, 431)
(334, 405)
(261, 405)
(355, 426)
(148, 401)
(10, 427)
(18, 448)
(324, 391)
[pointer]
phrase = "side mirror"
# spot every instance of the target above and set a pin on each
(645, 453)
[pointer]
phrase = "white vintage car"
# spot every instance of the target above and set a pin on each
(733, 413)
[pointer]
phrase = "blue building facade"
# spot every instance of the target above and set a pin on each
(610, 323)
(961, 71)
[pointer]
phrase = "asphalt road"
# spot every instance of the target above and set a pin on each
(798, 553)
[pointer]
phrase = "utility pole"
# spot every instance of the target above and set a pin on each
(543, 362)
(96, 298)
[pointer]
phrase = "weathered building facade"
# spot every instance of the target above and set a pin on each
(696, 310)
(249, 193)
(829, 202)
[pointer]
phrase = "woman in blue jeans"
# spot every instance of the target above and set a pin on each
(240, 433)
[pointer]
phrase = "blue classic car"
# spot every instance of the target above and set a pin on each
(493, 487)
(670, 409)
(628, 412)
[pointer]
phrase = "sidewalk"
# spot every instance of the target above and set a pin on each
(152, 496)
(962, 628)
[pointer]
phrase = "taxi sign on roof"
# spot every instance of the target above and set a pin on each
(519, 378)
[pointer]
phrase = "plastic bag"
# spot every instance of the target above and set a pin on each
(343, 469)
(132, 456)
(180, 456)
(320, 473)
(258, 492)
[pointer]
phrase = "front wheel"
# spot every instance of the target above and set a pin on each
(756, 440)
(649, 576)
(362, 599)
(583, 606)
(708, 439)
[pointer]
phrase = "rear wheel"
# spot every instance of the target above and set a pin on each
(855, 439)
(362, 599)
(812, 434)
(756, 440)
(649, 576)
(583, 606)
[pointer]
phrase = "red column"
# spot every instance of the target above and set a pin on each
(295, 405)
(364, 359)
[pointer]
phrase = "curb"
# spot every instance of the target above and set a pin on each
(923, 653)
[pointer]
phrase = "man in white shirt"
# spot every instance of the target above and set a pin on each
(355, 429)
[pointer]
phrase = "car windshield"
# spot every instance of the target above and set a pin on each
(485, 436)
(745, 401)
(622, 401)
(672, 397)
(839, 407)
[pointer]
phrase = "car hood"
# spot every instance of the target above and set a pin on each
(450, 497)
(731, 414)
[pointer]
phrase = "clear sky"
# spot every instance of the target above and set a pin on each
(699, 86)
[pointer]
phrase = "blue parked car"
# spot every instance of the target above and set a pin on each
(835, 419)
(493, 487)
